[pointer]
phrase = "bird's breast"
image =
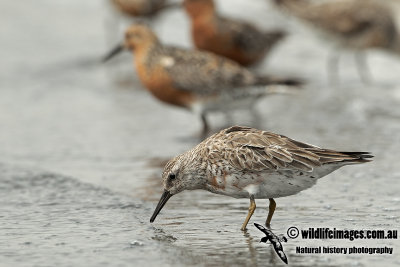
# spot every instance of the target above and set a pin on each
(160, 83)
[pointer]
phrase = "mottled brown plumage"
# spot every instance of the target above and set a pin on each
(251, 149)
(228, 37)
(244, 162)
(352, 24)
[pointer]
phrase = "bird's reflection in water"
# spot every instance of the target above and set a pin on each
(252, 250)
(266, 255)
(269, 256)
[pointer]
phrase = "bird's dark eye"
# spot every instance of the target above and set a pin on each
(172, 176)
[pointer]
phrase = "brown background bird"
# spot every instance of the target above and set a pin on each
(352, 24)
(231, 38)
(199, 81)
(138, 8)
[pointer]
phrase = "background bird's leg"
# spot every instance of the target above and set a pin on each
(206, 128)
(333, 67)
(252, 208)
(362, 67)
(272, 206)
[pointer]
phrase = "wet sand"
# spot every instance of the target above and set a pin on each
(82, 148)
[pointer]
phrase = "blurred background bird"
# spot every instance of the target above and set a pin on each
(128, 11)
(142, 8)
(196, 80)
(238, 40)
(121, 14)
(357, 25)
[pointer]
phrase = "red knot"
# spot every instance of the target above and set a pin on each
(357, 25)
(232, 38)
(199, 81)
(244, 162)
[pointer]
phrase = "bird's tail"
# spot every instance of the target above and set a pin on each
(359, 157)
(327, 156)
(272, 37)
(275, 80)
(280, 85)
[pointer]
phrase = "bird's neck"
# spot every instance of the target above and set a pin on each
(204, 27)
(201, 12)
(198, 164)
(142, 52)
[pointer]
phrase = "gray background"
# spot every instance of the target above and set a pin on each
(82, 147)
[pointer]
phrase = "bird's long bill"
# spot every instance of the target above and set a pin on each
(115, 51)
(164, 198)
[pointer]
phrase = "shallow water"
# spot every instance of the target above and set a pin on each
(82, 148)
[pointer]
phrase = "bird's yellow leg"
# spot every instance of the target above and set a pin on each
(272, 206)
(252, 208)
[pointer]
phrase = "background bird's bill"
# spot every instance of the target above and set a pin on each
(115, 51)
(164, 198)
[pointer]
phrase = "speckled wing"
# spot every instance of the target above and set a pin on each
(244, 35)
(205, 73)
(254, 150)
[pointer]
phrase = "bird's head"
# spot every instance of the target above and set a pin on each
(184, 172)
(137, 36)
